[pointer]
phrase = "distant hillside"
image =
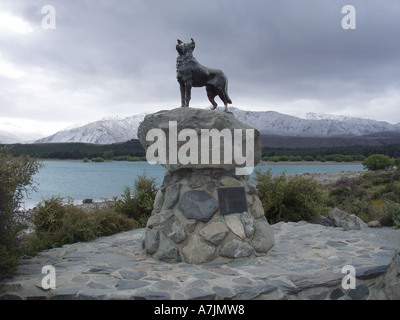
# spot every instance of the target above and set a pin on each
(6, 137)
(105, 131)
(269, 123)
(78, 150)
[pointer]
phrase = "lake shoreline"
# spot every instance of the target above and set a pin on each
(331, 177)
(101, 181)
(262, 162)
(305, 163)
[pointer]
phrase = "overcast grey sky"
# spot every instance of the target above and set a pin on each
(117, 58)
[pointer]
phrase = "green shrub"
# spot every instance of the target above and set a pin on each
(97, 159)
(396, 162)
(362, 208)
(138, 204)
(391, 215)
(274, 158)
(371, 196)
(358, 157)
(292, 158)
(346, 189)
(8, 261)
(57, 223)
(308, 158)
(378, 162)
(335, 157)
(16, 177)
(381, 178)
(286, 198)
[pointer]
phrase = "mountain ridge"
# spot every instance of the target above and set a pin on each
(271, 123)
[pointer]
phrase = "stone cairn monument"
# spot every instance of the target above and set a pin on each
(203, 212)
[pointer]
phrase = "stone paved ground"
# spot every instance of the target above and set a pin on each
(305, 263)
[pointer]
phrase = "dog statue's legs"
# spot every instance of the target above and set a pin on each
(182, 95)
(211, 95)
(188, 93)
(222, 96)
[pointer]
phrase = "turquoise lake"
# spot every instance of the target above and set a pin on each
(99, 181)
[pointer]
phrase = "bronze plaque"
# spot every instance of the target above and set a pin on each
(232, 200)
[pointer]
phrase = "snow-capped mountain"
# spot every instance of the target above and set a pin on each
(114, 130)
(105, 131)
(320, 116)
(7, 137)
(314, 125)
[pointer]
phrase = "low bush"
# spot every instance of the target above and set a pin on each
(57, 223)
(396, 162)
(348, 158)
(345, 189)
(138, 204)
(288, 198)
(391, 215)
(378, 162)
(16, 177)
(372, 196)
(295, 158)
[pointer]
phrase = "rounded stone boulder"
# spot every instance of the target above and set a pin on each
(197, 126)
(198, 205)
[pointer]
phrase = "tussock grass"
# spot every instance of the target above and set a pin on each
(57, 223)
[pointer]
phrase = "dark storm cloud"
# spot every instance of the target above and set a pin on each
(112, 56)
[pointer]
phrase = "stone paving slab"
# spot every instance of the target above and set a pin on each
(305, 263)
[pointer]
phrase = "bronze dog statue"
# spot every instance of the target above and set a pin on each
(190, 74)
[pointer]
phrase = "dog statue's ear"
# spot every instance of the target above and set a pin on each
(180, 41)
(193, 43)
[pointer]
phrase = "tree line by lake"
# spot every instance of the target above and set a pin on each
(133, 151)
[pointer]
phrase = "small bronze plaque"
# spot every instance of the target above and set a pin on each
(232, 200)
